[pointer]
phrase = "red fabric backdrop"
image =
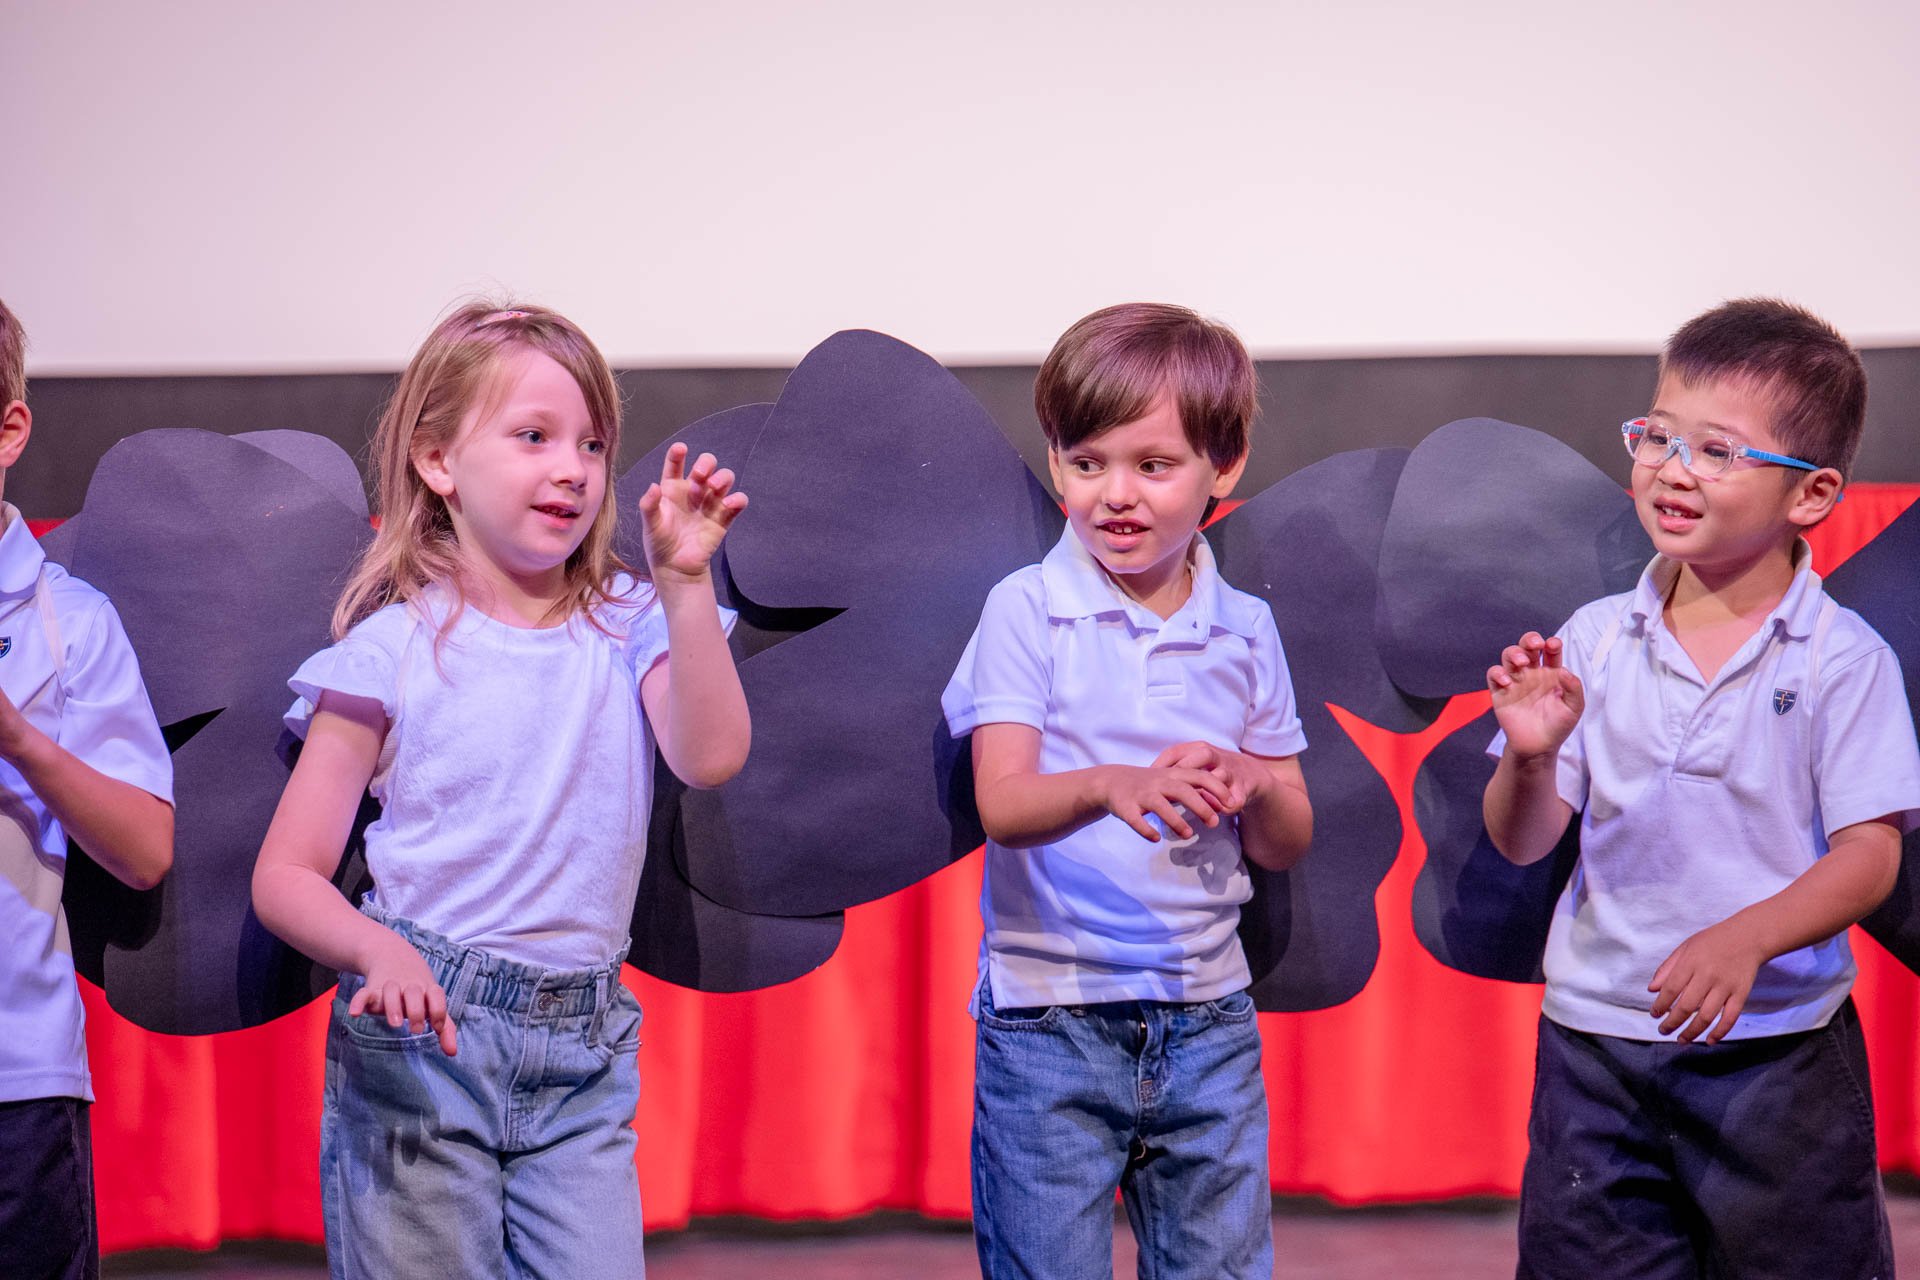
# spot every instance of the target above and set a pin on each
(850, 1090)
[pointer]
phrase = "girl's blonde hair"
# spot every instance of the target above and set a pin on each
(454, 371)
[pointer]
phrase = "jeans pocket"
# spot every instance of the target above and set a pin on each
(1037, 1018)
(370, 1031)
(619, 1034)
(1234, 1007)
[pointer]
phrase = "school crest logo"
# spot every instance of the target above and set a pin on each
(6, 645)
(1783, 700)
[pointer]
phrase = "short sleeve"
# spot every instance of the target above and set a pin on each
(366, 664)
(1581, 634)
(1006, 672)
(1273, 721)
(1866, 763)
(107, 720)
(646, 628)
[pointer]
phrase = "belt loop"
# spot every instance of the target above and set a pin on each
(462, 983)
(602, 997)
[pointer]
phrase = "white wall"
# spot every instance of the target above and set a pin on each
(238, 185)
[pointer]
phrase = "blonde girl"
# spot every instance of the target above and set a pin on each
(498, 680)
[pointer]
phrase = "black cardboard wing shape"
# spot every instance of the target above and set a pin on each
(1881, 582)
(885, 504)
(1310, 547)
(680, 934)
(1495, 530)
(223, 556)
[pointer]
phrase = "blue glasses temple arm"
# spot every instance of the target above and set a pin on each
(1780, 458)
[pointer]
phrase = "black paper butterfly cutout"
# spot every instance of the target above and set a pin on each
(885, 503)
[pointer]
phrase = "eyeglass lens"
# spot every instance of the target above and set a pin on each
(1703, 453)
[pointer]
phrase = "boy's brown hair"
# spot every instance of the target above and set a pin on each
(1110, 368)
(13, 358)
(1812, 375)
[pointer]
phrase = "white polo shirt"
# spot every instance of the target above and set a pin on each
(1701, 797)
(1105, 914)
(87, 696)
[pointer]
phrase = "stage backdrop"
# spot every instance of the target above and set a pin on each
(849, 1090)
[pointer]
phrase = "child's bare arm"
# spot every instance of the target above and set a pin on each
(1537, 702)
(693, 697)
(127, 831)
(1269, 793)
(1020, 807)
(293, 891)
(1710, 975)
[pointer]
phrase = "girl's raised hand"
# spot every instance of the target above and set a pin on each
(686, 513)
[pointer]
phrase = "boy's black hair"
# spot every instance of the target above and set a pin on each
(1812, 375)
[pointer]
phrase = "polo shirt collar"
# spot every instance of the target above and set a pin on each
(20, 554)
(1795, 615)
(1077, 587)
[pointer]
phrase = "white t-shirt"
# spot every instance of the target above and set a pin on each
(1104, 914)
(87, 697)
(1701, 798)
(516, 776)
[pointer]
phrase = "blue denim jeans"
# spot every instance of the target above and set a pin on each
(515, 1157)
(1663, 1161)
(1163, 1101)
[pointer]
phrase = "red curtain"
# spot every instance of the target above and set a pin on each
(850, 1090)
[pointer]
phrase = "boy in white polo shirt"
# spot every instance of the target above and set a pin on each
(1134, 739)
(80, 756)
(1743, 758)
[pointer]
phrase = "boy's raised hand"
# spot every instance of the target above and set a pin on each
(1536, 700)
(1130, 792)
(685, 514)
(400, 985)
(1706, 977)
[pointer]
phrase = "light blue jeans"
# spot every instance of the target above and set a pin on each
(513, 1158)
(1163, 1101)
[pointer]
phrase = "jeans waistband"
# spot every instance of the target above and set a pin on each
(471, 976)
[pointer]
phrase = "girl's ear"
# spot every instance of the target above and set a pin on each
(431, 467)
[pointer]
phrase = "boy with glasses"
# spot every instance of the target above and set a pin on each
(1744, 763)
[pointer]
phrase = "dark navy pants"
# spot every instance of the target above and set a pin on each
(47, 1229)
(1747, 1159)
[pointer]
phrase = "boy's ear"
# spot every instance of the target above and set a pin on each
(1814, 497)
(1228, 476)
(16, 424)
(1053, 469)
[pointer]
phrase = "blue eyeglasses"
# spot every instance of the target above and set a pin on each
(1706, 454)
